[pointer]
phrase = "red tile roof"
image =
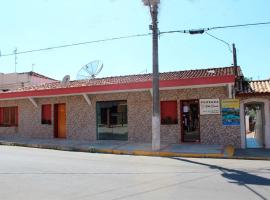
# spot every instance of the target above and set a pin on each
(186, 78)
(256, 87)
(176, 75)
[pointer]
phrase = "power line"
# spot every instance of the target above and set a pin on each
(202, 30)
(229, 46)
(77, 44)
(190, 31)
(239, 25)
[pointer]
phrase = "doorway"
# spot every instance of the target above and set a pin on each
(60, 120)
(254, 125)
(112, 120)
(190, 123)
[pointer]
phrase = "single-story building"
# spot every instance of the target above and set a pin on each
(120, 108)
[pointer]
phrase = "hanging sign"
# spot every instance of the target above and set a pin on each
(209, 106)
(230, 112)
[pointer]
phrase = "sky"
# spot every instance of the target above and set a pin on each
(35, 24)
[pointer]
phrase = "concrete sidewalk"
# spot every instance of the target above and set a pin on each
(124, 147)
(253, 154)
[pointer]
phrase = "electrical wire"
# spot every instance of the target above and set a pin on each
(191, 31)
(229, 46)
(202, 30)
(77, 44)
(239, 25)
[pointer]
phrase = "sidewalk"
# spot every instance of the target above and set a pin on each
(253, 154)
(124, 147)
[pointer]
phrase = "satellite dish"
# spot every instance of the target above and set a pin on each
(65, 80)
(90, 70)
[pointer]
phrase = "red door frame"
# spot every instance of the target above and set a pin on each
(181, 119)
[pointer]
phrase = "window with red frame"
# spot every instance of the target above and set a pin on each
(46, 114)
(9, 116)
(168, 111)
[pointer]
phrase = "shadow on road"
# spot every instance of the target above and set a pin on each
(236, 176)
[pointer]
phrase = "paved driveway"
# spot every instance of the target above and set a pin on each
(27, 173)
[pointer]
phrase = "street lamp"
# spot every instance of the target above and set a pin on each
(233, 51)
(153, 5)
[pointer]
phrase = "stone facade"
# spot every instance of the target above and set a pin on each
(81, 117)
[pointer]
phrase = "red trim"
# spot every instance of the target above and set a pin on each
(116, 87)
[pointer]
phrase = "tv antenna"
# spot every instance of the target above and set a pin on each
(15, 58)
(33, 65)
(90, 70)
(143, 71)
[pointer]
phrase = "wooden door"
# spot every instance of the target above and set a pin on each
(60, 120)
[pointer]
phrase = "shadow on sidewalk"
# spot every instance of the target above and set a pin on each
(241, 178)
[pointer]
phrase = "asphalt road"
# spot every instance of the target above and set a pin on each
(27, 173)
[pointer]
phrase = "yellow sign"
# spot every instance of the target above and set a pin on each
(230, 103)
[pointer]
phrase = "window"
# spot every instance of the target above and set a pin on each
(168, 112)
(112, 121)
(46, 114)
(9, 116)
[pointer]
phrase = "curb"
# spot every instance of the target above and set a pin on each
(44, 146)
(251, 158)
(158, 153)
(228, 151)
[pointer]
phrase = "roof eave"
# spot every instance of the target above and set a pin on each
(119, 87)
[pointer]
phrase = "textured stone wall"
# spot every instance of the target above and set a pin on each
(244, 97)
(213, 132)
(211, 129)
(81, 118)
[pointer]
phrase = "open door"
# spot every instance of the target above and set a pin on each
(254, 125)
(60, 120)
(190, 123)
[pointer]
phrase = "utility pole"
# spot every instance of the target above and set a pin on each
(153, 5)
(234, 56)
(238, 80)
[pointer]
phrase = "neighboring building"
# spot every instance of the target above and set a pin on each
(13, 81)
(255, 114)
(120, 108)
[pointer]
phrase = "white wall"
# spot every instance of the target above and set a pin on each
(266, 119)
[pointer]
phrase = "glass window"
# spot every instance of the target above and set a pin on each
(168, 111)
(46, 114)
(9, 116)
(112, 123)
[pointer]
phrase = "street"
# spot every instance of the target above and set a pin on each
(29, 173)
